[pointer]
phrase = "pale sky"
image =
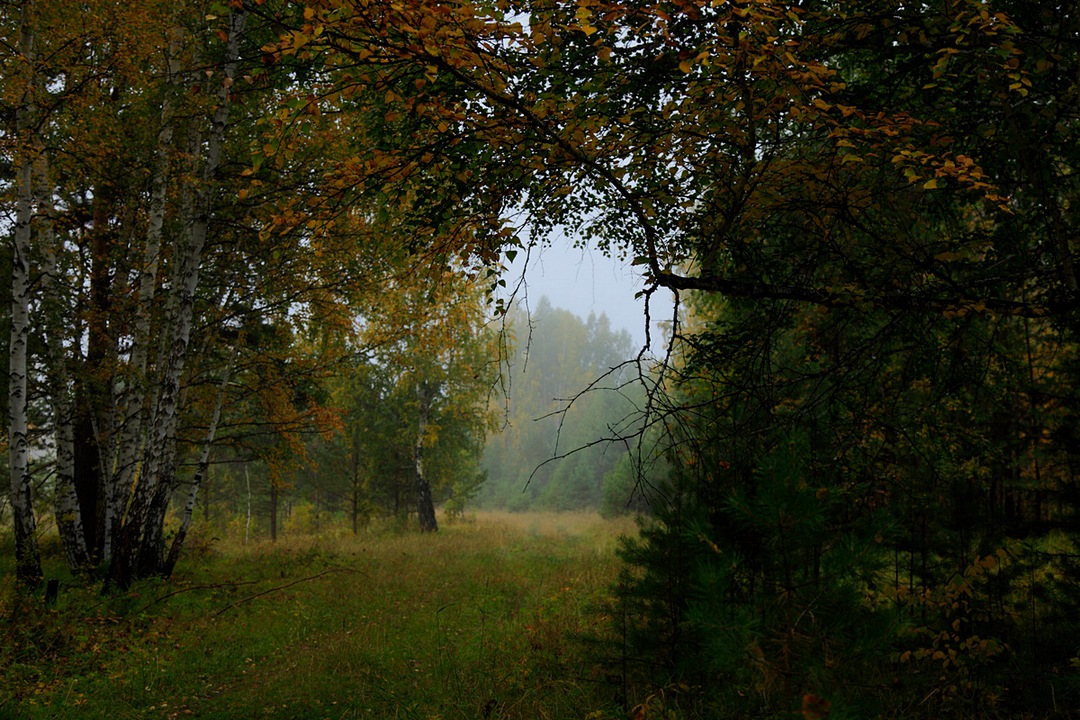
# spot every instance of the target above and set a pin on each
(583, 280)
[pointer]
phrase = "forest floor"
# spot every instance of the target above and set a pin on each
(488, 618)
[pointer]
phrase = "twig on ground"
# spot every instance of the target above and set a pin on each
(212, 586)
(286, 585)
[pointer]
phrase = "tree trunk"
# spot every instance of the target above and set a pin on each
(92, 395)
(136, 402)
(208, 483)
(140, 537)
(27, 557)
(68, 512)
(273, 510)
(247, 521)
(355, 509)
(200, 471)
(425, 506)
(86, 475)
(355, 480)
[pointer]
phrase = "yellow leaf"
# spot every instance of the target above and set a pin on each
(685, 66)
(930, 184)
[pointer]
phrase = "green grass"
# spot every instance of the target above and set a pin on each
(481, 620)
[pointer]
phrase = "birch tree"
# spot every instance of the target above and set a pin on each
(53, 303)
(156, 256)
(27, 556)
(139, 548)
(440, 363)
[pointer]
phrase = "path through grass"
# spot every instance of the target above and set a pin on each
(477, 621)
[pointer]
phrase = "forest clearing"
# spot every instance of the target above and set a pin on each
(484, 619)
(268, 275)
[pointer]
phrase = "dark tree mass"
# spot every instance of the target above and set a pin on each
(239, 224)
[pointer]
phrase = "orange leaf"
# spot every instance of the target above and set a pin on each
(814, 707)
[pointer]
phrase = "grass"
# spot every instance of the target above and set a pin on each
(481, 620)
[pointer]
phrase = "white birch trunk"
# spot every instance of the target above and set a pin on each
(187, 278)
(155, 474)
(201, 468)
(27, 557)
(68, 513)
(28, 562)
(135, 407)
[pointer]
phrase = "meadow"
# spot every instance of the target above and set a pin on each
(494, 616)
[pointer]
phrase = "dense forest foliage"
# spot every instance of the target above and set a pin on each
(172, 297)
(547, 427)
(233, 225)
(363, 462)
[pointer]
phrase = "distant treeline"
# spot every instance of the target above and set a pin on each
(561, 437)
(572, 401)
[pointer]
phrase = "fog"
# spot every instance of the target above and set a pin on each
(585, 281)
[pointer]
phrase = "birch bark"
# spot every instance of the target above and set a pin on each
(139, 552)
(201, 469)
(137, 402)
(68, 512)
(27, 556)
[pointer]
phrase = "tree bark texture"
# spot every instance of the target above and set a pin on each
(27, 557)
(136, 405)
(68, 512)
(140, 550)
(93, 396)
(200, 471)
